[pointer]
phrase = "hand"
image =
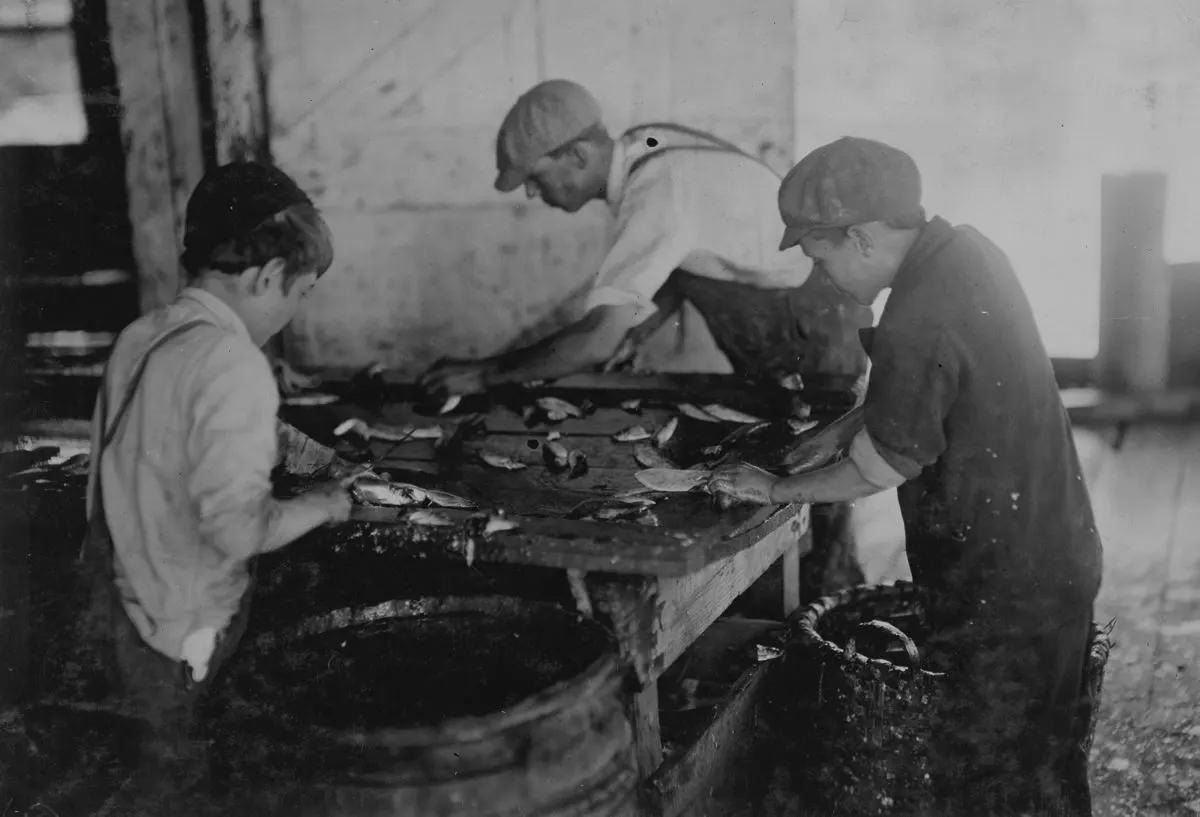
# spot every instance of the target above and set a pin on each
(460, 377)
(743, 482)
(334, 498)
(291, 381)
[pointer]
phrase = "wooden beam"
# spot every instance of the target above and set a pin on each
(1135, 288)
(153, 53)
(237, 74)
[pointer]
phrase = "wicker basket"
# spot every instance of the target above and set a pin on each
(857, 725)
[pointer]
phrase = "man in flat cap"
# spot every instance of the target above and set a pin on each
(963, 416)
(696, 221)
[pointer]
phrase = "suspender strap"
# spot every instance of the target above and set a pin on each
(109, 432)
(712, 143)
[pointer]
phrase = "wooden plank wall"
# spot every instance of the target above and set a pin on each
(152, 47)
(387, 114)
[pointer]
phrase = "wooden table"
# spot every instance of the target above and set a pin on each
(658, 587)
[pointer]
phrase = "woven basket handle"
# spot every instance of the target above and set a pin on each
(914, 657)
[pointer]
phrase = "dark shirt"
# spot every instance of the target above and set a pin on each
(963, 402)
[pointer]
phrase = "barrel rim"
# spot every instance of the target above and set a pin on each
(599, 674)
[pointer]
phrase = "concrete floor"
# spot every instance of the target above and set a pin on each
(1145, 487)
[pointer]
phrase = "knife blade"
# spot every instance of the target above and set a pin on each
(675, 480)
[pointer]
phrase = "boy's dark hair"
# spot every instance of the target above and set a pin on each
(244, 214)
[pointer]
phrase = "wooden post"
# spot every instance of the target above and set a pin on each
(154, 55)
(1135, 287)
(236, 65)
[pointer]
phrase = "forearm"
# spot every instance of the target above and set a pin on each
(842, 482)
(264, 525)
(292, 518)
(581, 346)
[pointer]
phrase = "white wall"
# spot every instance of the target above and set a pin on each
(1013, 109)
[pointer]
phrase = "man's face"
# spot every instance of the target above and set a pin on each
(560, 182)
(846, 263)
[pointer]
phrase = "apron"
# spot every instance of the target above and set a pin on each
(96, 650)
(766, 333)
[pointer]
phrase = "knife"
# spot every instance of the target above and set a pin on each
(675, 480)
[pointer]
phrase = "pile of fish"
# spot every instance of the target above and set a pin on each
(375, 490)
(627, 507)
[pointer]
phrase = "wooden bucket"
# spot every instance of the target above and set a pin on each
(431, 707)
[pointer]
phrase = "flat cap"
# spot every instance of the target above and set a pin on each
(543, 119)
(850, 181)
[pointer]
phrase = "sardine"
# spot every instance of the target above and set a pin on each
(800, 426)
(451, 403)
(589, 507)
(697, 413)
(500, 461)
(431, 519)
(498, 524)
(648, 457)
(632, 406)
(730, 415)
(673, 480)
(444, 499)
(555, 455)
(792, 382)
(551, 436)
(406, 432)
(666, 432)
(383, 492)
(310, 399)
(553, 407)
(632, 435)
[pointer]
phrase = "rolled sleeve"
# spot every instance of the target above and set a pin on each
(913, 386)
(232, 448)
(654, 234)
(875, 468)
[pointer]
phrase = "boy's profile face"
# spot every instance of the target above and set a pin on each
(272, 299)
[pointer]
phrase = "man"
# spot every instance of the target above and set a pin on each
(184, 440)
(963, 415)
(695, 221)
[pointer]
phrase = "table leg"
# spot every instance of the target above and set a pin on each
(647, 733)
(790, 561)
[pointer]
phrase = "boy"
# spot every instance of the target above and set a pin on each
(184, 440)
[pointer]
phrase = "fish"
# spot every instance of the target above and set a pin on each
(632, 406)
(648, 457)
(500, 461)
(711, 450)
(792, 382)
(666, 432)
(697, 413)
(802, 411)
(313, 398)
(616, 512)
(636, 494)
(387, 432)
(378, 491)
(451, 403)
(631, 434)
(427, 518)
(554, 407)
(800, 426)
(498, 524)
(590, 507)
(444, 499)
(674, 480)
(730, 415)
(555, 455)
(553, 435)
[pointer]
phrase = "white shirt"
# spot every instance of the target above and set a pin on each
(710, 213)
(186, 479)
